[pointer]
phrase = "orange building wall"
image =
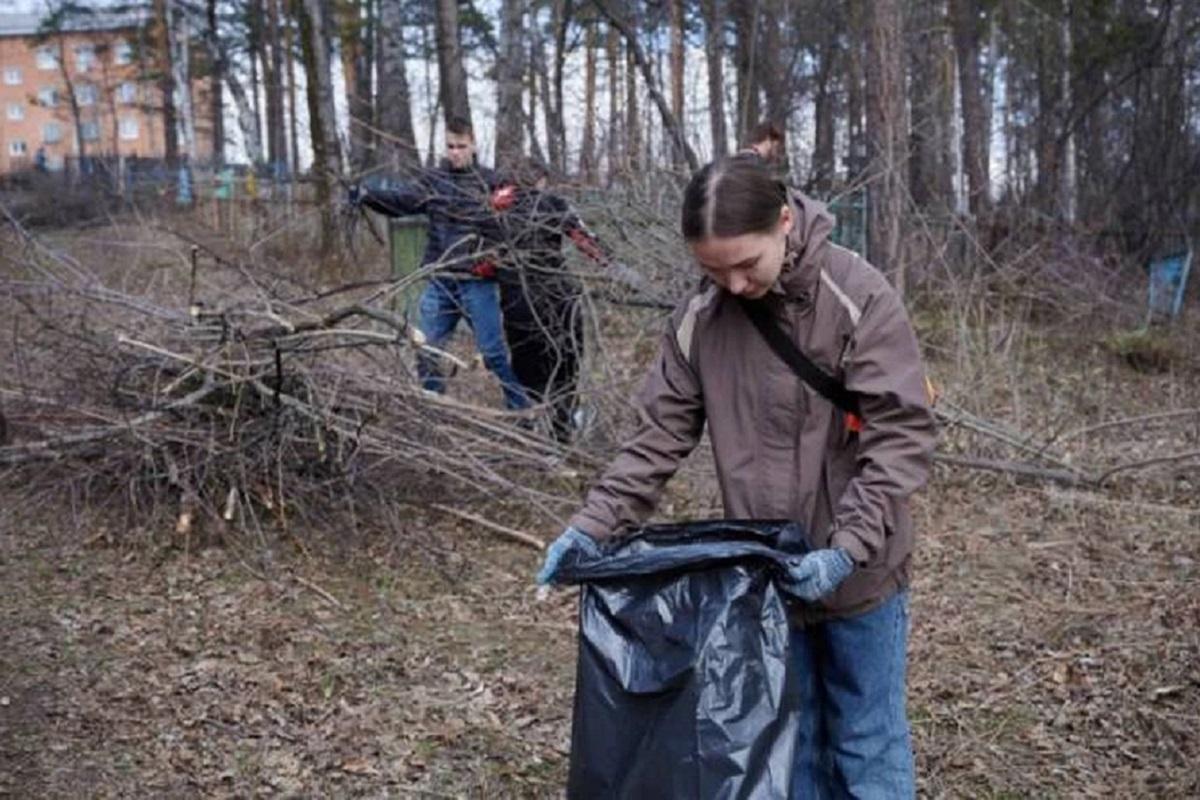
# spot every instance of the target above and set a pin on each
(109, 109)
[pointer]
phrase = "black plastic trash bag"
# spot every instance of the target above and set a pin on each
(683, 687)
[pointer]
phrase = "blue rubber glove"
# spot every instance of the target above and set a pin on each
(355, 194)
(814, 575)
(572, 539)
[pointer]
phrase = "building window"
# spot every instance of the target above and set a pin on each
(48, 96)
(12, 76)
(46, 59)
(51, 133)
(85, 57)
(17, 148)
(16, 112)
(90, 131)
(122, 53)
(85, 94)
(127, 93)
(129, 128)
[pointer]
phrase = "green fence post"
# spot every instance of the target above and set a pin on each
(406, 238)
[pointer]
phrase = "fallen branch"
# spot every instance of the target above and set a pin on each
(1022, 469)
(1149, 462)
(520, 536)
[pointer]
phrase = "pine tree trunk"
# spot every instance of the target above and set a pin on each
(290, 45)
(932, 103)
(273, 83)
(714, 54)
(824, 166)
(398, 142)
(886, 136)
(216, 96)
(510, 74)
(677, 67)
(612, 48)
(166, 83)
(856, 159)
(453, 84)
(587, 148)
(315, 38)
(746, 21)
(965, 21)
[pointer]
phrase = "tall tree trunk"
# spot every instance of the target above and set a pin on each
(932, 102)
(510, 74)
(453, 85)
(746, 21)
(587, 148)
(714, 55)
(856, 86)
(678, 63)
(293, 115)
(254, 36)
(556, 129)
(398, 145)
(166, 83)
(612, 49)
(824, 165)
(179, 26)
(965, 20)
(316, 40)
(354, 27)
(273, 75)
(216, 96)
(1068, 190)
(633, 124)
(886, 131)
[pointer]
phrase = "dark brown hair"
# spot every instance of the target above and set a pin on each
(460, 127)
(763, 132)
(730, 197)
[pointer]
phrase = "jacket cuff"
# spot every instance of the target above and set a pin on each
(592, 527)
(853, 547)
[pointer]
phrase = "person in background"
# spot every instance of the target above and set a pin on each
(463, 233)
(783, 451)
(766, 141)
(543, 321)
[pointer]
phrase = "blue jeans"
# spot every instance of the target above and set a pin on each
(854, 739)
(443, 303)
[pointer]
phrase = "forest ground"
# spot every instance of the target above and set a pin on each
(1054, 650)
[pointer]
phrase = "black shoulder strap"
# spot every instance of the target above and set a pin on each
(821, 382)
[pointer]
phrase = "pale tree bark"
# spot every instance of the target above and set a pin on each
(453, 84)
(931, 171)
(1069, 188)
(356, 26)
(180, 30)
(587, 148)
(398, 142)
(966, 21)
(886, 132)
(510, 74)
(714, 54)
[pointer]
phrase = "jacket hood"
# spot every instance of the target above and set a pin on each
(807, 244)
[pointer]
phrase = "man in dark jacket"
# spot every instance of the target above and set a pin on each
(463, 233)
(543, 321)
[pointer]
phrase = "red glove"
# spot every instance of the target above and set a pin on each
(504, 198)
(484, 269)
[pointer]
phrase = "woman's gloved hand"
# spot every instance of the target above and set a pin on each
(814, 575)
(572, 539)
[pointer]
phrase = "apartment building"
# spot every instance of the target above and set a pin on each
(87, 88)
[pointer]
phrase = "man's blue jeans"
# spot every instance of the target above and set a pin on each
(854, 739)
(443, 303)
